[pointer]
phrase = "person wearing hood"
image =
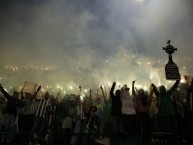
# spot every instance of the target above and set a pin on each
(128, 111)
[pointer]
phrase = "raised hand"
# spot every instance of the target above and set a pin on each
(133, 82)
(39, 88)
(80, 88)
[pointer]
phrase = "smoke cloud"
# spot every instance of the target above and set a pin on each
(92, 43)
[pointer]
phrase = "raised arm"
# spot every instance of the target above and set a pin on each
(90, 98)
(150, 91)
(58, 97)
(155, 90)
(133, 89)
(7, 95)
(191, 85)
(78, 96)
(80, 90)
(103, 94)
(36, 92)
(175, 85)
(112, 89)
(190, 88)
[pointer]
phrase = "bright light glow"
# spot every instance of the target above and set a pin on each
(71, 88)
(138, 86)
(139, 63)
(85, 90)
(151, 76)
(182, 80)
(118, 84)
(81, 97)
(145, 88)
(159, 83)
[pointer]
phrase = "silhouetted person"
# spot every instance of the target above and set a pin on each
(92, 127)
(189, 113)
(142, 111)
(116, 110)
(166, 108)
(10, 109)
(128, 112)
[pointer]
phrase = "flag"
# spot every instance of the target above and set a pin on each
(29, 87)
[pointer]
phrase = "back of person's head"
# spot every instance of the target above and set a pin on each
(99, 100)
(162, 90)
(146, 93)
(16, 94)
(143, 98)
(117, 93)
(52, 100)
(176, 94)
(141, 91)
(28, 95)
(93, 108)
(46, 95)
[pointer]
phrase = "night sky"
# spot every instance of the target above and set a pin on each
(93, 42)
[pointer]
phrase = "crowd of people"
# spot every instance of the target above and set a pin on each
(96, 119)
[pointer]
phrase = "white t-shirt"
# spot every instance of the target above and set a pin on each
(127, 102)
